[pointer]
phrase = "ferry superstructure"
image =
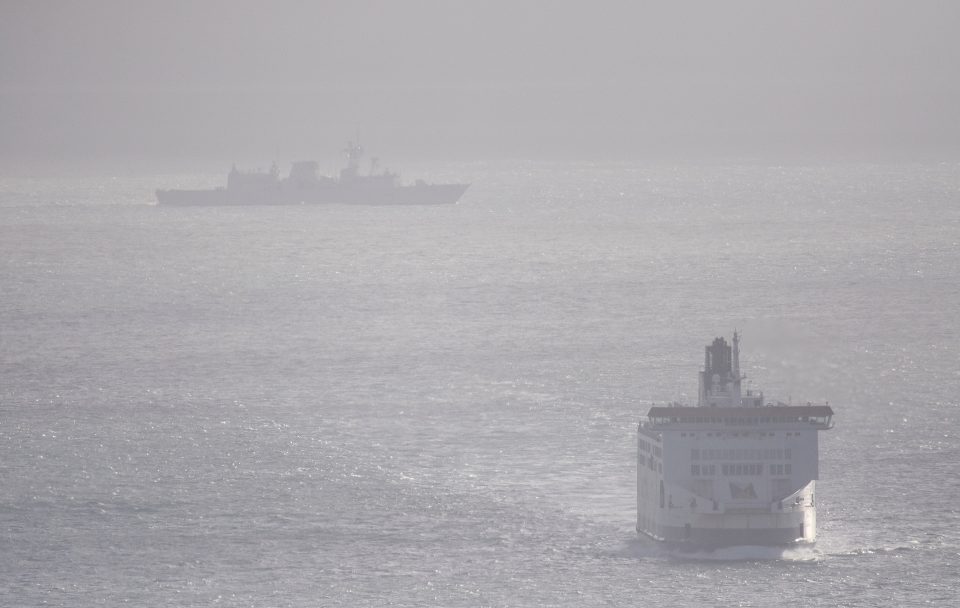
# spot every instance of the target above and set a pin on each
(732, 470)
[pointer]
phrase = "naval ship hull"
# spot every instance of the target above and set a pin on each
(421, 194)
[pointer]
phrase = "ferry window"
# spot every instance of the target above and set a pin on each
(695, 470)
(788, 453)
(786, 469)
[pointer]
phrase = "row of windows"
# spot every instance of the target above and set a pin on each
(650, 463)
(646, 446)
(705, 470)
(741, 454)
(780, 469)
(742, 421)
(739, 468)
(744, 468)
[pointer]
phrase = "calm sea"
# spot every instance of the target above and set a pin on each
(436, 406)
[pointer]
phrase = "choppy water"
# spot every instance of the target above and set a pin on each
(436, 406)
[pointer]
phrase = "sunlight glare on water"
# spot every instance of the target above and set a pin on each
(332, 405)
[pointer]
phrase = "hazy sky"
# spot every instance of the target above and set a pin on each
(436, 79)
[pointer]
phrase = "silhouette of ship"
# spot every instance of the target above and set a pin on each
(306, 186)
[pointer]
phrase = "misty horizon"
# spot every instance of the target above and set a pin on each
(438, 80)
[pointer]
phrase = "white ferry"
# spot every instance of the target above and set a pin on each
(731, 471)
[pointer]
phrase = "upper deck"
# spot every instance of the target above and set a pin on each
(819, 417)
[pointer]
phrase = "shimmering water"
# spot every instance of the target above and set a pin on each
(436, 406)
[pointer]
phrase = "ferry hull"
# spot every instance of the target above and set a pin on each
(730, 471)
(709, 539)
(795, 524)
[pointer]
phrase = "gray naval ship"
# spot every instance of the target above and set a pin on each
(305, 186)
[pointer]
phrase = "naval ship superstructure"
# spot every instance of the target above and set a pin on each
(305, 185)
(733, 470)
